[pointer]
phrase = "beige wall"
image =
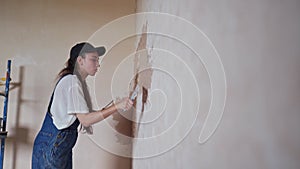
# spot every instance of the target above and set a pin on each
(38, 35)
(258, 45)
(258, 42)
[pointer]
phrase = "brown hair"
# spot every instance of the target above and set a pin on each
(71, 68)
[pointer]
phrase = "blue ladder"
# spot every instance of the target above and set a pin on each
(3, 132)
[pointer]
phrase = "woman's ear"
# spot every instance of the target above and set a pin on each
(80, 60)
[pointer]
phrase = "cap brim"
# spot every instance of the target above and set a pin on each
(101, 50)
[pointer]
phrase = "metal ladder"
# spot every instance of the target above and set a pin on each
(3, 132)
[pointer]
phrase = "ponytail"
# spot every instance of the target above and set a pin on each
(69, 69)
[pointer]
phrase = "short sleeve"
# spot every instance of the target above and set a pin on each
(75, 96)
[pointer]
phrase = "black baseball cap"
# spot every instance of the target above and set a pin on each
(85, 47)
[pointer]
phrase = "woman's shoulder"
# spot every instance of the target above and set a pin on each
(68, 81)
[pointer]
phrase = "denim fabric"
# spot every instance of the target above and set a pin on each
(52, 148)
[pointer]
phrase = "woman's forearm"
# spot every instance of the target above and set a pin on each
(88, 119)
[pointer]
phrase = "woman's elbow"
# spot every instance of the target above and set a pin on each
(83, 119)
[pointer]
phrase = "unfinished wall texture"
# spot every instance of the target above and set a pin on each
(37, 36)
(258, 43)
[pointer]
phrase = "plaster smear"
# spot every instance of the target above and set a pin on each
(143, 73)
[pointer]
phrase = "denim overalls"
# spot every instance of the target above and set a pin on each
(52, 148)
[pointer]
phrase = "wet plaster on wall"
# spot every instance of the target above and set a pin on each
(143, 74)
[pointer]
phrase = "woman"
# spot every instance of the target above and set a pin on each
(70, 105)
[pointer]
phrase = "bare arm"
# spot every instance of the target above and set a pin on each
(88, 119)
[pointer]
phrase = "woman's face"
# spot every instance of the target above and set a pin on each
(89, 64)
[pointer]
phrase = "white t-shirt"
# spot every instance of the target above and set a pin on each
(68, 99)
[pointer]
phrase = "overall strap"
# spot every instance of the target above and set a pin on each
(50, 103)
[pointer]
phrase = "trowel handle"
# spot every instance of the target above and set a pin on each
(134, 93)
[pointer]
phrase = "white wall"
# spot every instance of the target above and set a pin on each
(258, 43)
(38, 36)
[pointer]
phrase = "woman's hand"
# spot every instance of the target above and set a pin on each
(123, 104)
